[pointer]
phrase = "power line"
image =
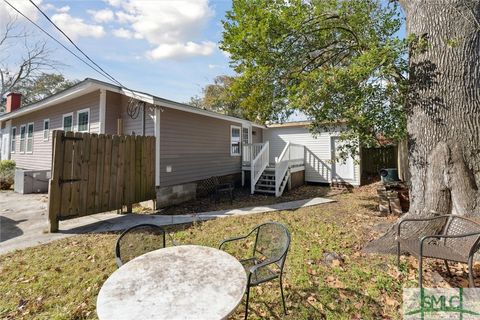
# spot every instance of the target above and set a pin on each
(54, 39)
(75, 45)
(132, 109)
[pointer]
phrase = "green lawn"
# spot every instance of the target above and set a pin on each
(61, 280)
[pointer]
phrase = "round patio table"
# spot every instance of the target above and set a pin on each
(182, 282)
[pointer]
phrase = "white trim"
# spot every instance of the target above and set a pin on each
(239, 142)
(63, 120)
(156, 121)
(33, 133)
(67, 95)
(91, 85)
(102, 110)
(43, 129)
(14, 138)
(178, 106)
(24, 139)
(87, 110)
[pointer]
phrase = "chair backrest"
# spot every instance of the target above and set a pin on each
(461, 225)
(138, 240)
(272, 242)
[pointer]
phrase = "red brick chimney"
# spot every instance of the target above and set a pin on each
(14, 100)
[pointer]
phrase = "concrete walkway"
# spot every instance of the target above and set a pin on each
(27, 228)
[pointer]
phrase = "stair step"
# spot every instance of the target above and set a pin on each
(266, 179)
(268, 174)
(265, 191)
(265, 185)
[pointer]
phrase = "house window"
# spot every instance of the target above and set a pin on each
(234, 141)
(245, 135)
(46, 129)
(67, 122)
(83, 120)
(23, 131)
(30, 138)
(13, 140)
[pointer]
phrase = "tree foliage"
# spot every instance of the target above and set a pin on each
(46, 84)
(333, 60)
(218, 96)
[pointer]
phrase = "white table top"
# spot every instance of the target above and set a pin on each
(182, 282)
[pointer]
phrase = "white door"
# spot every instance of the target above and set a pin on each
(341, 169)
(5, 143)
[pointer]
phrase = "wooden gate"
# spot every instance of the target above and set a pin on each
(97, 173)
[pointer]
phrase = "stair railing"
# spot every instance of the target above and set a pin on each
(258, 165)
(297, 155)
(250, 151)
(281, 168)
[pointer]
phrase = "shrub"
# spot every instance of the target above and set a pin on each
(7, 174)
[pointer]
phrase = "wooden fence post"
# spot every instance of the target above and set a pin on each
(54, 190)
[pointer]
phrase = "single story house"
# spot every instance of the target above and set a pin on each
(192, 144)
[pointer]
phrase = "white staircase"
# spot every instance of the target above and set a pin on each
(267, 182)
(272, 179)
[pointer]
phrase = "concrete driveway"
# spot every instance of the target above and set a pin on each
(24, 219)
(20, 214)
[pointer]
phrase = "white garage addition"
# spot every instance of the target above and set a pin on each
(320, 152)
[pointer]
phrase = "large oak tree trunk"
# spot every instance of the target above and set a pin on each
(443, 113)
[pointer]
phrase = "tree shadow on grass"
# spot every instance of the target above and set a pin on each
(299, 300)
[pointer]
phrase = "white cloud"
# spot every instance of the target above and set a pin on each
(170, 25)
(182, 50)
(76, 28)
(123, 33)
(102, 16)
(123, 17)
(63, 9)
(24, 6)
(114, 3)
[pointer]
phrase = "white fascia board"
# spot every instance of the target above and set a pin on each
(166, 104)
(67, 95)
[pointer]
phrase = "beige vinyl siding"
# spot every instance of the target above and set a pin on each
(318, 155)
(41, 156)
(131, 125)
(113, 111)
(196, 147)
(257, 135)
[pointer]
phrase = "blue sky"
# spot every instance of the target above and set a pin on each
(167, 48)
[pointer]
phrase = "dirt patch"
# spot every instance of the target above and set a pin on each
(243, 198)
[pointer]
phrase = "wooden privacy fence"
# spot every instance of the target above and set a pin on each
(375, 159)
(97, 173)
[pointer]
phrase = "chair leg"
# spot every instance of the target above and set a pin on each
(448, 268)
(283, 296)
(246, 304)
(398, 256)
(471, 283)
(420, 265)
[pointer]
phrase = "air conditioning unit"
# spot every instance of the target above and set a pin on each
(31, 181)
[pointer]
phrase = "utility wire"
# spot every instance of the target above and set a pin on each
(132, 108)
(54, 39)
(75, 45)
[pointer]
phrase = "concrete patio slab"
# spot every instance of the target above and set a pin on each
(23, 219)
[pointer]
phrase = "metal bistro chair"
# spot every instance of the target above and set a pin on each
(272, 241)
(223, 188)
(138, 240)
(459, 241)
